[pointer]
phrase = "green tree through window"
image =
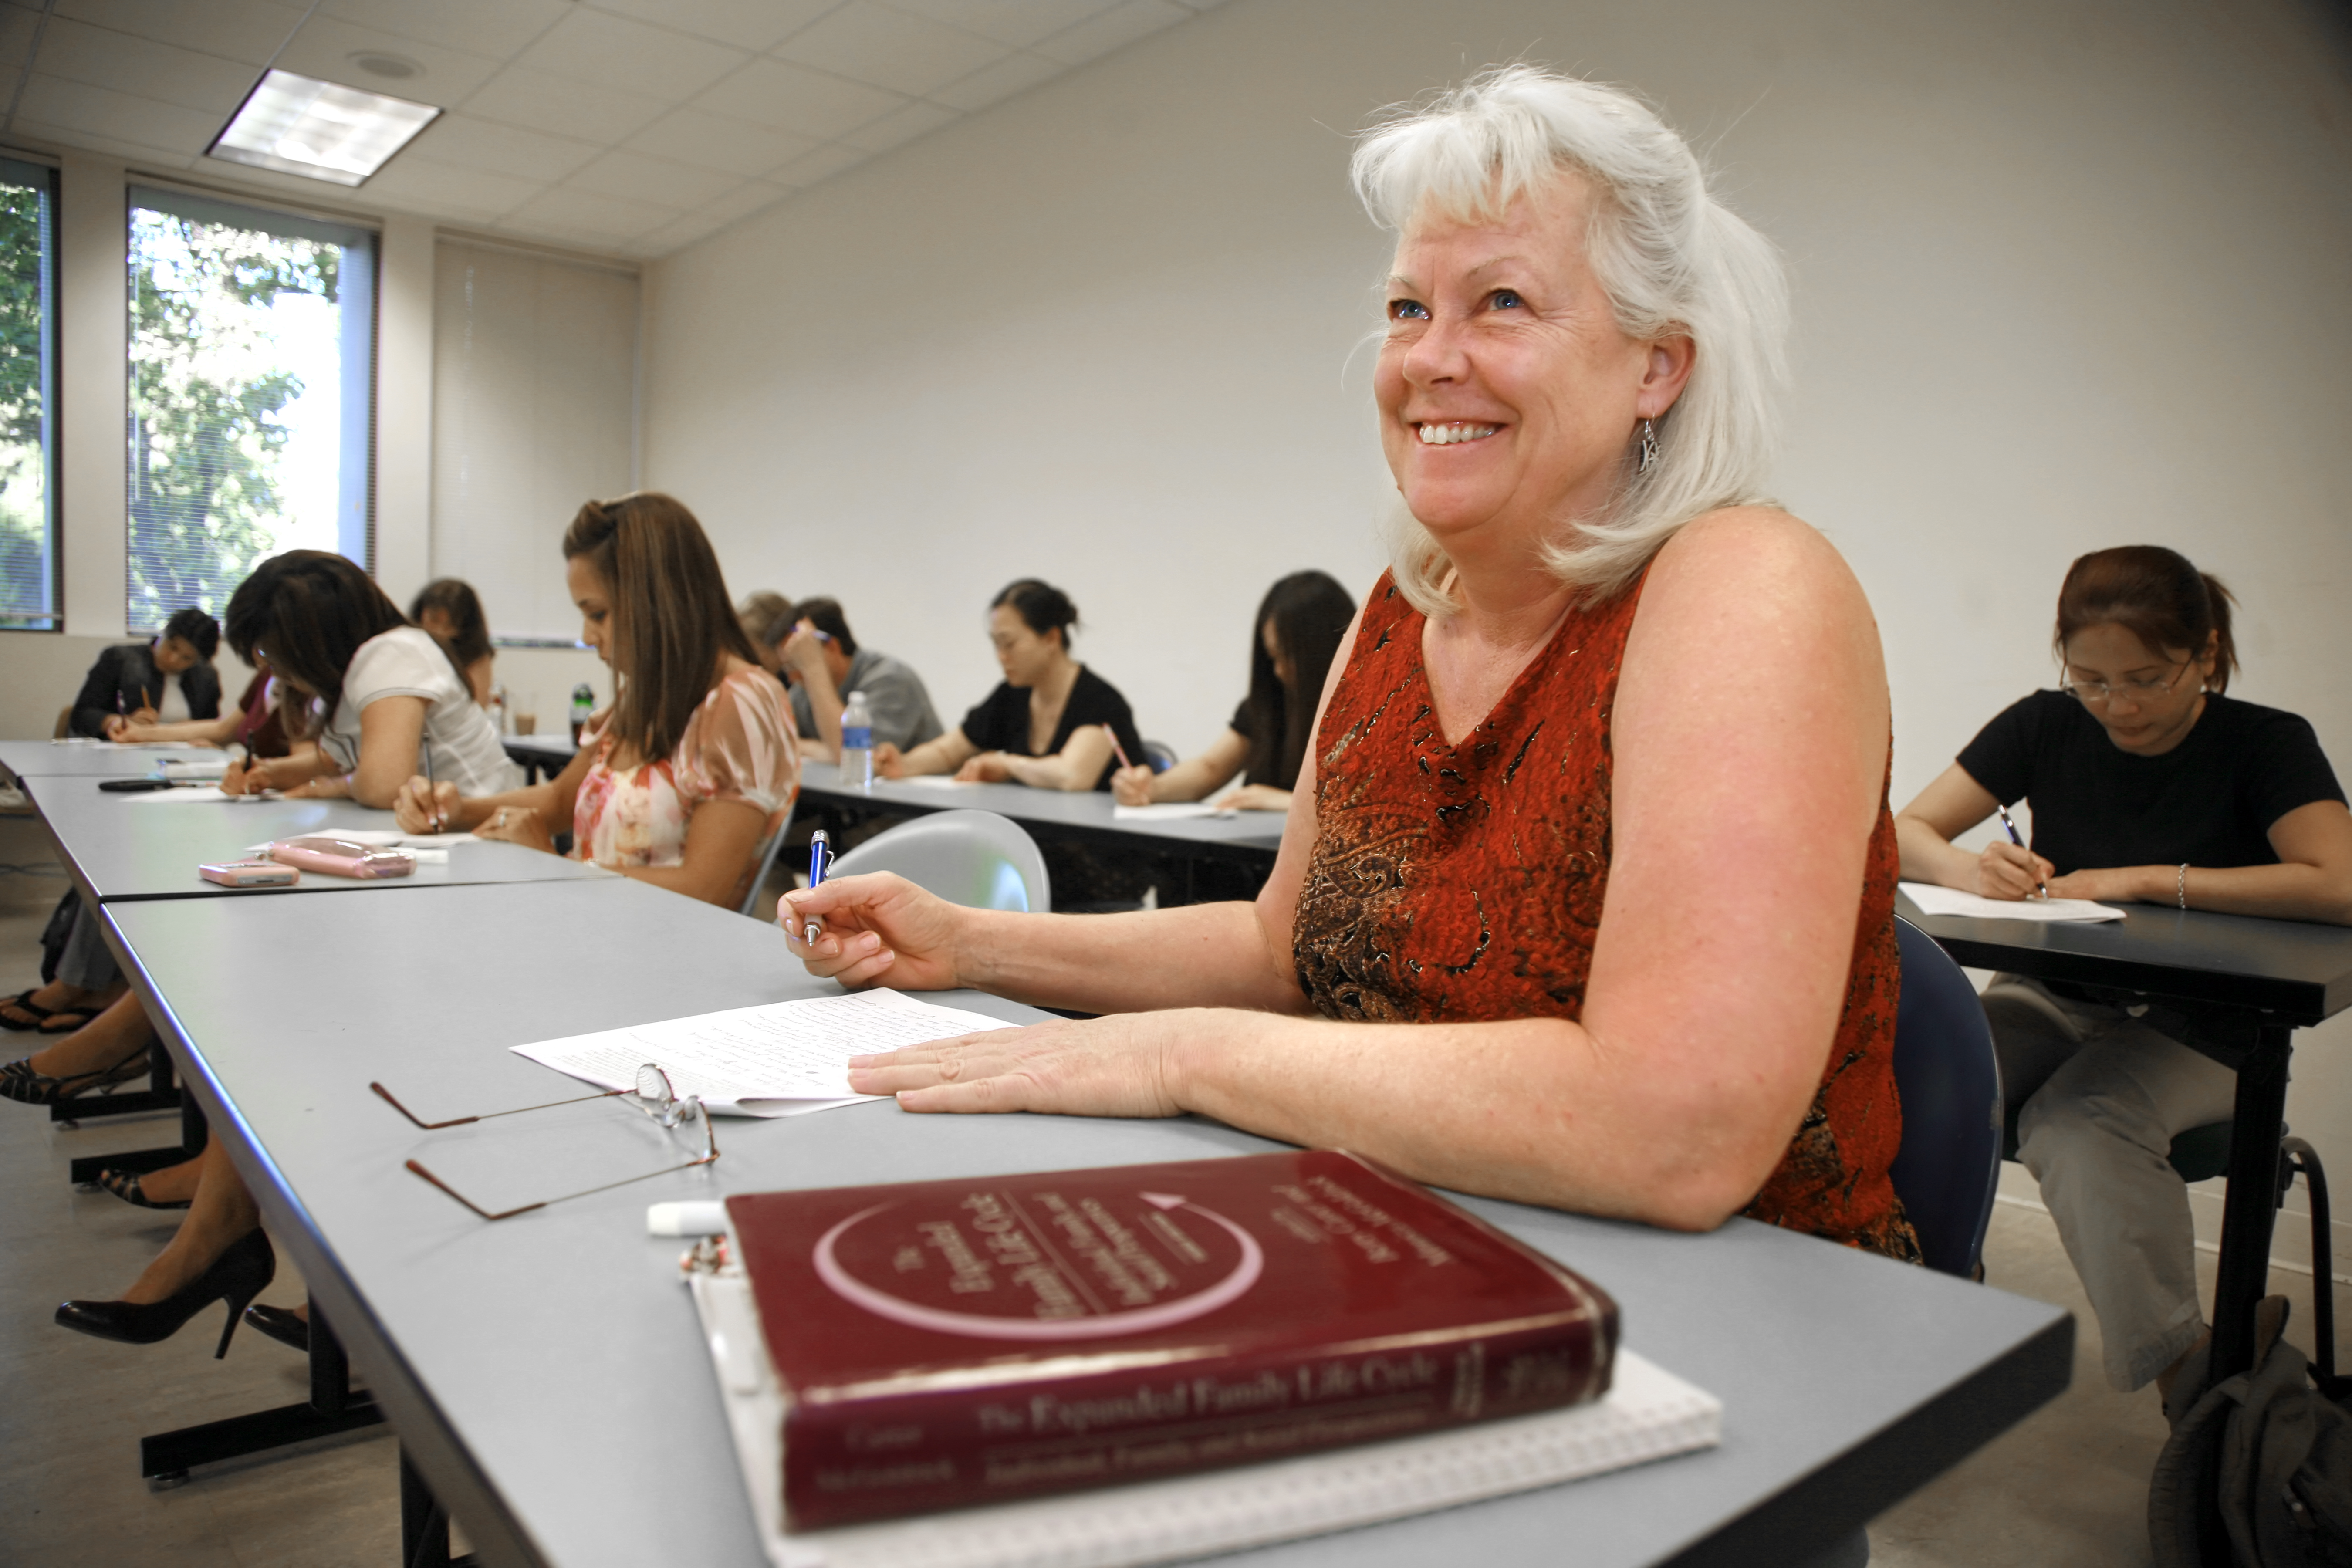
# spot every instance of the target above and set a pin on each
(27, 539)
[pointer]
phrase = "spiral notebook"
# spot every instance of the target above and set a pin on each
(1649, 1414)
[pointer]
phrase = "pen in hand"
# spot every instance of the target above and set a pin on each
(1115, 748)
(2014, 839)
(820, 862)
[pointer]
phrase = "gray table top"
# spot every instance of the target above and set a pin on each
(129, 846)
(1087, 813)
(546, 1373)
(2296, 969)
(66, 759)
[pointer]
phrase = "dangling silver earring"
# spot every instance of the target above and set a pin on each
(1649, 447)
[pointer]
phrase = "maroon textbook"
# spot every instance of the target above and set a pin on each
(943, 1345)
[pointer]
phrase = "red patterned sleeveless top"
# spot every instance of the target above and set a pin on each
(1452, 883)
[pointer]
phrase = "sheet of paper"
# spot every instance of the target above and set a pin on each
(386, 838)
(1167, 811)
(779, 1059)
(184, 794)
(934, 781)
(211, 767)
(1934, 900)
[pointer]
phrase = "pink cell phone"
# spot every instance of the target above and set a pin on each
(249, 874)
(342, 856)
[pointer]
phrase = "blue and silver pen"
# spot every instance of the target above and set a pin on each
(820, 862)
(2014, 839)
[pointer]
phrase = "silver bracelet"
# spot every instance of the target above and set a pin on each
(2180, 886)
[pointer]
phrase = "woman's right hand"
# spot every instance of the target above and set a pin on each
(875, 930)
(244, 775)
(2006, 871)
(1132, 786)
(889, 762)
(424, 806)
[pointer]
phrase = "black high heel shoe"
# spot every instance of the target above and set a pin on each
(283, 1324)
(237, 1276)
(19, 1081)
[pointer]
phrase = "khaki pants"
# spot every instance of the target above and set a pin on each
(2104, 1095)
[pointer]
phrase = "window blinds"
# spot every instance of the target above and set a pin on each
(535, 411)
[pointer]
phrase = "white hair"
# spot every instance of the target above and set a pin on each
(1673, 259)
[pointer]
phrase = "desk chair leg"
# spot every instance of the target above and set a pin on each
(334, 1407)
(83, 1172)
(424, 1524)
(2249, 1206)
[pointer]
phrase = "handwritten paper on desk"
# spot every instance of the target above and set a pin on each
(1167, 810)
(779, 1059)
(934, 781)
(1934, 900)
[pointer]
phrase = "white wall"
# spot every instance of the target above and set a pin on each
(2067, 276)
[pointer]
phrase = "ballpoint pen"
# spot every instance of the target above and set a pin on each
(820, 861)
(2014, 839)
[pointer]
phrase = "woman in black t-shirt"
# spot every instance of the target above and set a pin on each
(1300, 628)
(2147, 784)
(1045, 724)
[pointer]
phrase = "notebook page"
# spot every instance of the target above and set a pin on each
(1935, 900)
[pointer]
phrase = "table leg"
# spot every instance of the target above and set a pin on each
(83, 1171)
(2250, 1208)
(424, 1524)
(334, 1407)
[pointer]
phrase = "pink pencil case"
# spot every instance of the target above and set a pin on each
(334, 857)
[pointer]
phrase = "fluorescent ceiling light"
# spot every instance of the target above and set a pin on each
(320, 130)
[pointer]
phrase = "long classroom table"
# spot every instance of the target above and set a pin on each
(2243, 986)
(546, 1374)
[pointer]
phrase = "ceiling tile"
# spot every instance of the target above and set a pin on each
(993, 84)
(495, 27)
(460, 192)
(616, 52)
(586, 213)
(462, 141)
(751, 197)
(561, 107)
(897, 130)
(27, 130)
(17, 27)
(77, 106)
(1015, 22)
(822, 164)
(655, 180)
(1114, 28)
(785, 97)
(737, 146)
(755, 24)
(324, 47)
(79, 52)
(869, 42)
(247, 30)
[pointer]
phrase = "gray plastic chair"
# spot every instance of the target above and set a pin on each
(767, 864)
(975, 858)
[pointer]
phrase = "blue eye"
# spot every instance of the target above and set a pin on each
(1408, 310)
(1506, 299)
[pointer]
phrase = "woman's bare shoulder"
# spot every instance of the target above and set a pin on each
(1752, 559)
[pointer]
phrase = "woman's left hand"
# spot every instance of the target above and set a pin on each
(517, 825)
(2117, 885)
(988, 767)
(1123, 1065)
(1256, 797)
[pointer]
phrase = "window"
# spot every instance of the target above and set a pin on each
(252, 395)
(535, 411)
(28, 524)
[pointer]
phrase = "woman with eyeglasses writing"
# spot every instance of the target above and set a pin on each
(2147, 786)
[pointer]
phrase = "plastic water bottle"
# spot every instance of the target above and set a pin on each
(857, 743)
(583, 707)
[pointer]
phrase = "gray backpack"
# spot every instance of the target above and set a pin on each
(2258, 1472)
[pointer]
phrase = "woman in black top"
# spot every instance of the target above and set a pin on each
(1044, 724)
(1299, 626)
(127, 686)
(2147, 786)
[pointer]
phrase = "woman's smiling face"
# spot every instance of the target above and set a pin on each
(1507, 392)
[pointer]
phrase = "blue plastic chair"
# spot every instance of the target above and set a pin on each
(1949, 1082)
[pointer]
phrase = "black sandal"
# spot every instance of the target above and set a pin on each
(131, 1188)
(64, 1021)
(23, 1001)
(20, 1082)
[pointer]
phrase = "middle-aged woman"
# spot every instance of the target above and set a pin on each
(1300, 625)
(2147, 786)
(168, 680)
(1586, 896)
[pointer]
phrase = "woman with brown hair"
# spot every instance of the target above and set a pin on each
(685, 778)
(451, 612)
(2147, 784)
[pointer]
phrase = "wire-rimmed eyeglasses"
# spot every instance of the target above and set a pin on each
(654, 1094)
(2097, 693)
